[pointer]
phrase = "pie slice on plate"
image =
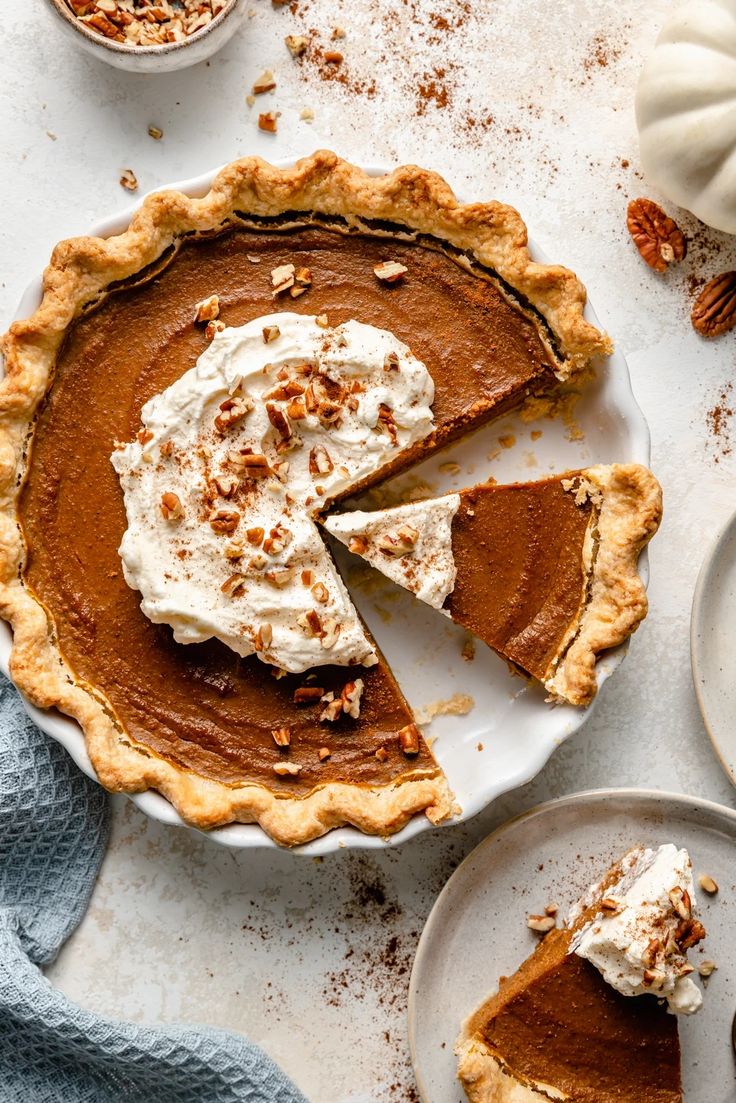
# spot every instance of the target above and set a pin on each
(188, 398)
(545, 573)
(591, 1015)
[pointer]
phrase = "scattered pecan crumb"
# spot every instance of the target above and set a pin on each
(128, 180)
(264, 83)
(541, 923)
(296, 44)
(306, 115)
(156, 133)
(268, 121)
(708, 884)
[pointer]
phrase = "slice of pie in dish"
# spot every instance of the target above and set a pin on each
(189, 396)
(545, 572)
(591, 1016)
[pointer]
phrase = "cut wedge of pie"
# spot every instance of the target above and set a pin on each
(545, 573)
(110, 480)
(587, 1017)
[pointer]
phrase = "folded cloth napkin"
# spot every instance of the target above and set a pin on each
(53, 832)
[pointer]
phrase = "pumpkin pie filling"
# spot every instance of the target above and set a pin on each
(201, 706)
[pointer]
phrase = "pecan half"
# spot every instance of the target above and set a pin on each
(714, 310)
(658, 238)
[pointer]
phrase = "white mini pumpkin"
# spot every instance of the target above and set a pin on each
(686, 111)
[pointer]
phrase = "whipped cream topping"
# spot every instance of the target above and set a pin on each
(411, 544)
(231, 465)
(644, 925)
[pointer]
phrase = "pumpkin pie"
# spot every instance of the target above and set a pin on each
(235, 717)
(544, 572)
(592, 1015)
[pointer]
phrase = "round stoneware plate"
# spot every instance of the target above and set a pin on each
(477, 929)
(506, 732)
(712, 645)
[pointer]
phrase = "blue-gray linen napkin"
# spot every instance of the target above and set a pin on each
(53, 831)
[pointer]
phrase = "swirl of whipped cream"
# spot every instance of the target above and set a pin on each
(639, 944)
(231, 465)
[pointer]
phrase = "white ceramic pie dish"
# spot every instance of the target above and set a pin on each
(511, 732)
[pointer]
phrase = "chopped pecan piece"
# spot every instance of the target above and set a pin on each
(233, 584)
(358, 545)
(264, 83)
(232, 412)
(264, 636)
(310, 622)
(543, 924)
(333, 708)
(225, 485)
(280, 421)
(128, 179)
(278, 538)
(212, 328)
(268, 121)
(281, 737)
(707, 884)
(270, 333)
(386, 420)
(255, 536)
(333, 57)
(391, 361)
(308, 695)
(330, 633)
(282, 278)
(390, 271)
(319, 461)
(399, 543)
(224, 521)
(296, 44)
(320, 593)
(207, 309)
(352, 693)
(287, 769)
(171, 507)
(324, 752)
(381, 754)
(280, 578)
(409, 739)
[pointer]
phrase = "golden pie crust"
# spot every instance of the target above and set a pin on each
(411, 202)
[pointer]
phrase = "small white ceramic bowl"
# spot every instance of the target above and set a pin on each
(151, 59)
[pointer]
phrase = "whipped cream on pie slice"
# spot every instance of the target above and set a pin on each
(643, 925)
(410, 544)
(232, 463)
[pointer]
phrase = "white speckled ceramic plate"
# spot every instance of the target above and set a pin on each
(477, 929)
(712, 645)
(510, 733)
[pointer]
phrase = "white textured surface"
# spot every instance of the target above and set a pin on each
(311, 959)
